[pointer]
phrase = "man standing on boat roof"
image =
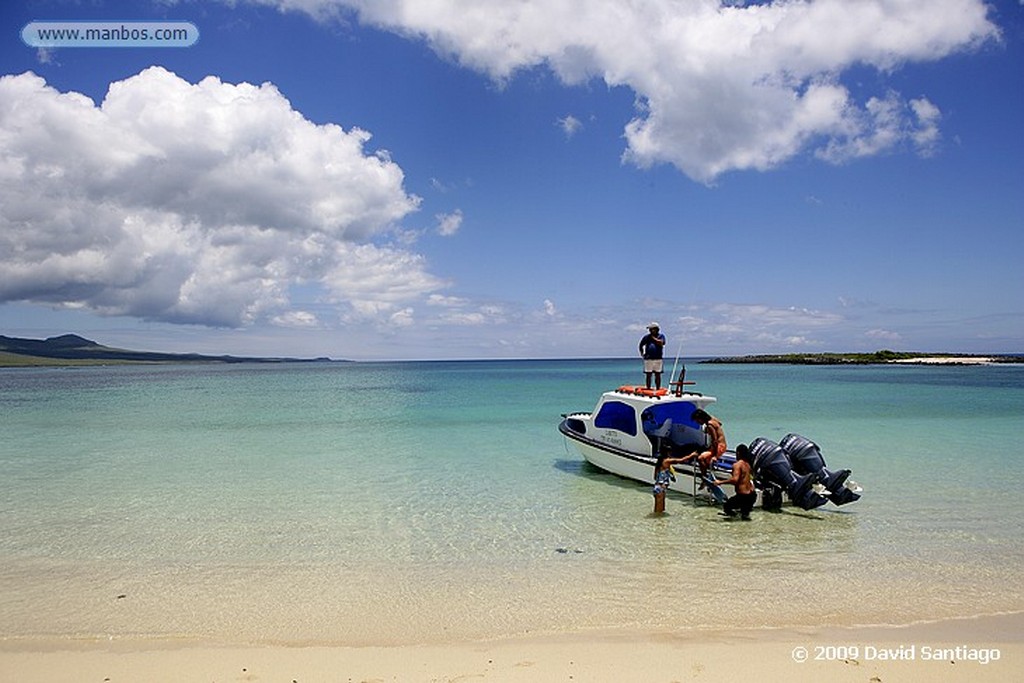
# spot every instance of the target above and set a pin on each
(652, 349)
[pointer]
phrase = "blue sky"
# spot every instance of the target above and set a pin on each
(398, 180)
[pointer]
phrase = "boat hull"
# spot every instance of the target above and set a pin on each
(635, 466)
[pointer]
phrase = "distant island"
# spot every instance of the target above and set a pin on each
(71, 349)
(876, 358)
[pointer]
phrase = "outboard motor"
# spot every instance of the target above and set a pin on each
(658, 433)
(806, 458)
(684, 439)
(772, 465)
(771, 495)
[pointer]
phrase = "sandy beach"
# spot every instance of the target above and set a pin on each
(947, 360)
(977, 649)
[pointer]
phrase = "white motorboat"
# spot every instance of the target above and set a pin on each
(629, 426)
(624, 432)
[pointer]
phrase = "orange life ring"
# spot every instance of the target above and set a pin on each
(642, 391)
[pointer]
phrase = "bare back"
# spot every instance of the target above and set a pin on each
(742, 476)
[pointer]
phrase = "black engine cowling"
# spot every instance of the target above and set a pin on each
(805, 457)
(773, 468)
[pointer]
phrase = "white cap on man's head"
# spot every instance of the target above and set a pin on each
(654, 326)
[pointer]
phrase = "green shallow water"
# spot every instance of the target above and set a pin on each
(420, 502)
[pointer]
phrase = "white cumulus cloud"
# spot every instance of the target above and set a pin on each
(570, 125)
(879, 334)
(764, 325)
(196, 203)
(720, 86)
(449, 223)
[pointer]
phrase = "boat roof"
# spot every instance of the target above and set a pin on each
(641, 394)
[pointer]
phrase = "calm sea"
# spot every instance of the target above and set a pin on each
(423, 502)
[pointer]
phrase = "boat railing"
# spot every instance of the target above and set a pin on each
(679, 386)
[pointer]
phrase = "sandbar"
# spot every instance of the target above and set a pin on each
(948, 360)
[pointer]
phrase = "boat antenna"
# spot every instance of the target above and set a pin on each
(679, 349)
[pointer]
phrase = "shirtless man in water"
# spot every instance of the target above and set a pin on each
(713, 428)
(743, 480)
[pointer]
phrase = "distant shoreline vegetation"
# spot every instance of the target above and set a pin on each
(73, 350)
(876, 358)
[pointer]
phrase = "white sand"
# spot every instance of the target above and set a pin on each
(854, 655)
(948, 360)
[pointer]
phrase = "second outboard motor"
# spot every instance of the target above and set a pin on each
(772, 464)
(806, 458)
(681, 438)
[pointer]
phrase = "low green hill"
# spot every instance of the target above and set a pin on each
(71, 349)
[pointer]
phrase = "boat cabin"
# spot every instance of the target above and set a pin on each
(638, 420)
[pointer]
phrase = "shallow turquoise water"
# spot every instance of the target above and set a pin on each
(398, 502)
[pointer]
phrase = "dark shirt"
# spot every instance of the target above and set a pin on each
(649, 349)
